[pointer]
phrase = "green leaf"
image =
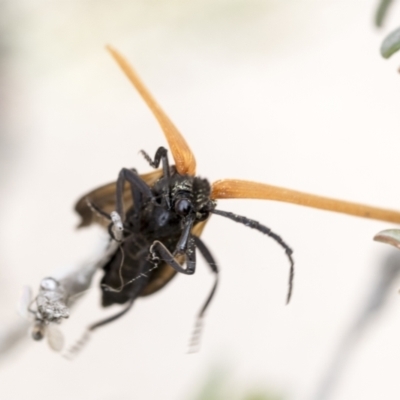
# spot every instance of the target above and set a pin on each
(389, 236)
(381, 12)
(261, 396)
(391, 44)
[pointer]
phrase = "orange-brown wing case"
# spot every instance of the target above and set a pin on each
(104, 198)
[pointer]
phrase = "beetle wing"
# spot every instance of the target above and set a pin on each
(184, 158)
(104, 198)
(237, 189)
(165, 273)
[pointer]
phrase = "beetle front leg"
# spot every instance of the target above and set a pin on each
(160, 156)
(158, 251)
(139, 189)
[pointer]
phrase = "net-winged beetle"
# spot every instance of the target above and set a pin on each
(157, 218)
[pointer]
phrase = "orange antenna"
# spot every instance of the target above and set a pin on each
(237, 189)
(184, 158)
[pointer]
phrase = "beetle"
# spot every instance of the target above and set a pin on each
(157, 218)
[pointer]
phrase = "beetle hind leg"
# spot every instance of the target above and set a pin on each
(106, 321)
(251, 223)
(194, 343)
(74, 350)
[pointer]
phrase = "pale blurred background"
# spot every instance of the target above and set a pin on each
(292, 93)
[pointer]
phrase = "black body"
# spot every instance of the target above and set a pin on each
(153, 220)
(159, 233)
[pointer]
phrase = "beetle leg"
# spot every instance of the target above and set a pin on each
(191, 255)
(186, 245)
(135, 293)
(161, 156)
(160, 252)
(182, 244)
(116, 228)
(75, 349)
(113, 317)
(214, 268)
(251, 223)
(138, 189)
(195, 339)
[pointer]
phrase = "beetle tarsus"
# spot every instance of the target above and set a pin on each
(194, 344)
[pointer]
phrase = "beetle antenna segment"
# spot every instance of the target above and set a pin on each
(184, 158)
(266, 231)
(238, 189)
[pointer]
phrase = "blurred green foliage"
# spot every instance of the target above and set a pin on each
(261, 396)
(218, 387)
(381, 12)
(391, 43)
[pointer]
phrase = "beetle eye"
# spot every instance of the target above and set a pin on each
(183, 207)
